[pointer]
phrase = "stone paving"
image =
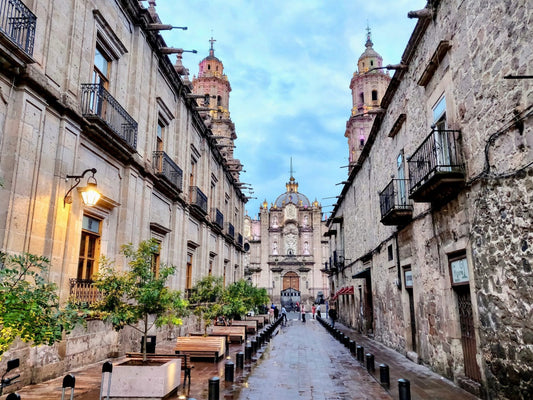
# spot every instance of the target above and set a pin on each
(302, 361)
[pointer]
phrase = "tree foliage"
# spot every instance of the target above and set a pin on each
(29, 304)
(210, 299)
(131, 296)
(206, 299)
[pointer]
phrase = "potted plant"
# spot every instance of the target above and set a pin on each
(129, 298)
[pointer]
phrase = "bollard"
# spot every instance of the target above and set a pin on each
(107, 368)
(248, 352)
(69, 381)
(351, 345)
(360, 353)
(346, 341)
(240, 360)
(384, 377)
(404, 389)
(229, 369)
(13, 396)
(254, 345)
(370, 362)
(214, 388)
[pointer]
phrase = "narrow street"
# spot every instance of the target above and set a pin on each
(305, 362)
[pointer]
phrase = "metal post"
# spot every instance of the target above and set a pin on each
(384, 377)
(69, 381)
(240, 360)
(248, 351)
(351, 345)
(229, 369)
(107, 367)
(254, 345)
(360, 353)
(370, 362)
(404, 389)
(13, 396)
(214, 388)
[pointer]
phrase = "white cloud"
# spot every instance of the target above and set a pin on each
(289, 64)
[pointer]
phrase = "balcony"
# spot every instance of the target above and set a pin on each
(231, 231)
(168, 169)
(17, 23)
(83, 291)
(393, 203)
(97, 104)
(218, 218)
(198, 199)
(436, 168)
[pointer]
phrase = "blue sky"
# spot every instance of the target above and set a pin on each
(289, 64)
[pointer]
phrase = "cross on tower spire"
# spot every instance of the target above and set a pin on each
(368, 33)
(212, 50)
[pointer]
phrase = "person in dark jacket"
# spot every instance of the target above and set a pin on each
(332, 316)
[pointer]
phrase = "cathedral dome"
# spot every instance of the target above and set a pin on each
(370, 58)
(292, 195)
(295, 198)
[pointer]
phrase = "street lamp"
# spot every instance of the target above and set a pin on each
(89, 193)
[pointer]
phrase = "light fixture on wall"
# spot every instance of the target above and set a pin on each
(89, 193)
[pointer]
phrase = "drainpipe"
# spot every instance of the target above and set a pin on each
(399, 282)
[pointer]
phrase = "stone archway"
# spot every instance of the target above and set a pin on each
(291, 280)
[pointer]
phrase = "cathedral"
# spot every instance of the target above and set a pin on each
(286, 249)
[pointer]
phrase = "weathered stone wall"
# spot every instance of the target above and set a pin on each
(502, 251)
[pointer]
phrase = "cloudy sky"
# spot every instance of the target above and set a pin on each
(289, 63)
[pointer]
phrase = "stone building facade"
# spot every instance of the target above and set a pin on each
(438, 258)
(88, 88)
(286, 248)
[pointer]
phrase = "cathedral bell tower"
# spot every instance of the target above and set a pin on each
(368, 86)
(214, 86)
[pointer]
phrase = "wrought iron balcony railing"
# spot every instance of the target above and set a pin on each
(394, 203)
(231, 230)
(17, 22)
(168, 169)
(436, 167)
(97, 102)
(83, 291)
(198, 199)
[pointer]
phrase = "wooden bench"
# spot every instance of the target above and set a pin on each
(259, 318)
(201, 346)
(251, 326)
(234, 333)
(186, 364)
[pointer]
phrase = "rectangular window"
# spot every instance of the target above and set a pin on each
(89, 248)
(188, 276)
(156, 261)
(101, 67)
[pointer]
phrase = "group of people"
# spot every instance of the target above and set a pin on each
(300, 308)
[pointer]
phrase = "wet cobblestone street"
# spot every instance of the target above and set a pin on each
(305, 362)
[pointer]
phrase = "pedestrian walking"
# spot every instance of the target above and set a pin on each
(313, 311)
(271, 315)
(318, 311)
(303, 313)
(284, 314)
(332, 316)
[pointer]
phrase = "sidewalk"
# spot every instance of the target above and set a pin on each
(424, 383)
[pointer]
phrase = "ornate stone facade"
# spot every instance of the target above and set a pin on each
(440, 255)
(286, 247)
(91, 86)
